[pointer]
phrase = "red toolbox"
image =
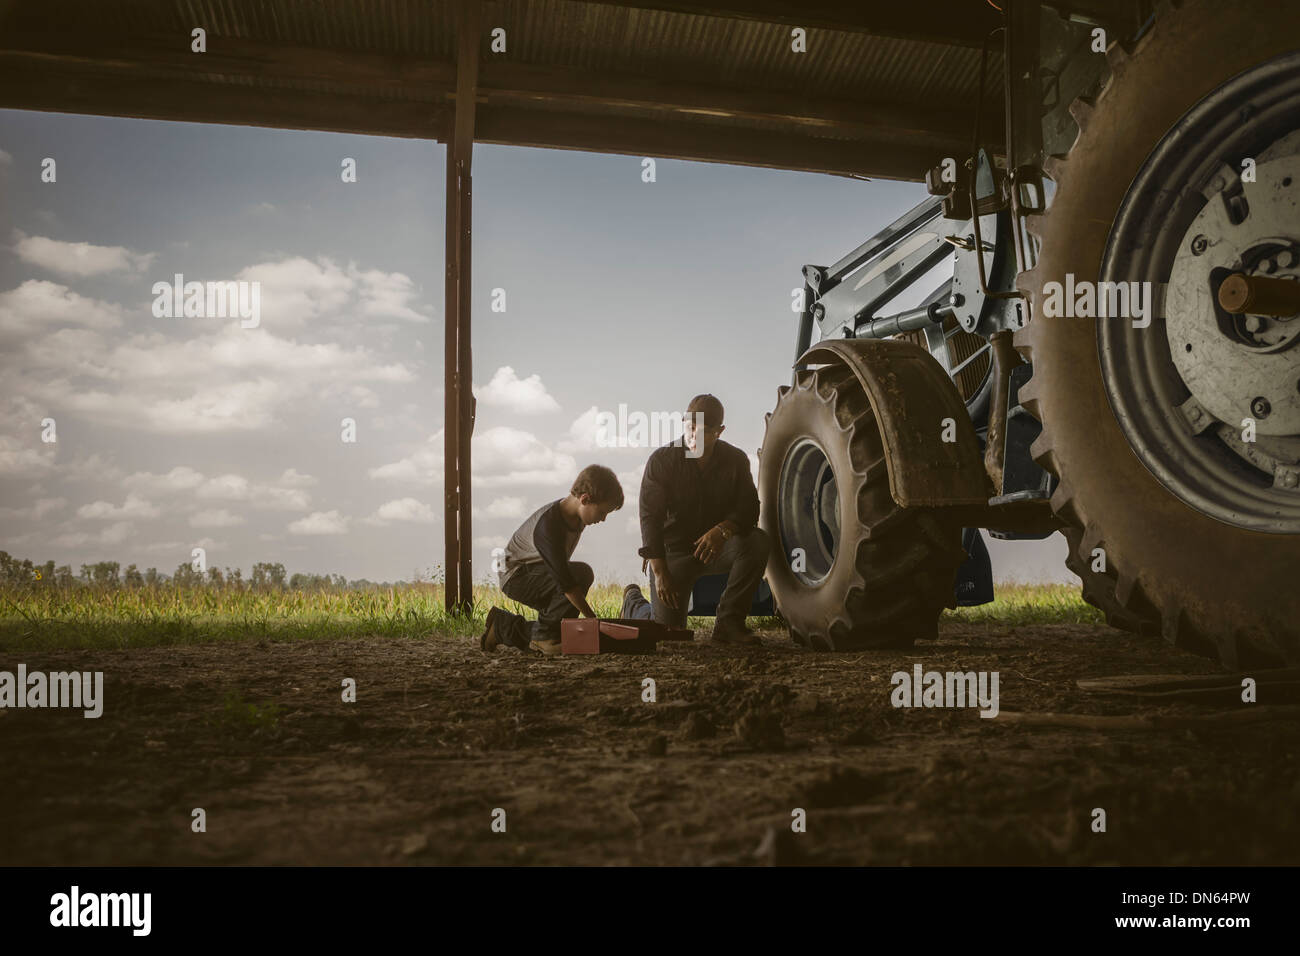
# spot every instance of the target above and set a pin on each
(591, 635)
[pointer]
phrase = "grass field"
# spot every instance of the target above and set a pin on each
(91, 617)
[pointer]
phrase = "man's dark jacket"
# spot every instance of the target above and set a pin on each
(680, 500)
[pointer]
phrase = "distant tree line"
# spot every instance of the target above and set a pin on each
(265, 576)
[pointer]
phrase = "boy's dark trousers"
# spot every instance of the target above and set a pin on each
(534, 585)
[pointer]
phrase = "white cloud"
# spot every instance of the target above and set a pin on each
(115, 533)
(229, 487)
(44, 506)
(320, 522)
(215, 518)
(501, 457)
(293, 478)
(94, 468)
(18, 460)
(296, 290)
(111, 534)
(582, 433)
(180, 478)
(133, 507)
(631, 484)
(37, 511)
(239, 406)
(388, 295)
(225, 488)
(40, 306)
(508, 456)
(192, 376)
(504, 507)
(507, 390)
(70, 539)
(232, 380)
(79, 259)
(404, 509)
(280, 499)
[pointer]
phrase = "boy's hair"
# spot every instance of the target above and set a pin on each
(601, 483)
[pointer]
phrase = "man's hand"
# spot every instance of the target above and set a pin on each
(709, 545)
(664, 586)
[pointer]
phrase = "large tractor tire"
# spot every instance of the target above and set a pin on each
(1196, 525)
(850, 569)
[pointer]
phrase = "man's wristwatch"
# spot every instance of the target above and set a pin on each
(726, 532)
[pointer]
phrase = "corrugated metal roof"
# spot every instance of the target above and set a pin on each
(663, 70)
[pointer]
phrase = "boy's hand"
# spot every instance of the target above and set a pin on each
(579, 600)
(709, 545)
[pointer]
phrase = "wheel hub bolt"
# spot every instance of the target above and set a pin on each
(1260, 407)
(1199, 245)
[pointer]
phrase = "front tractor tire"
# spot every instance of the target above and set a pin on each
(850, 569)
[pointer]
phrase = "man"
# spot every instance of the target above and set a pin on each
(699, 507)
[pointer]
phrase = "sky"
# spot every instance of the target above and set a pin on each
(591, 289)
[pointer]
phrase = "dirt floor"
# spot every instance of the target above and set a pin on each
(441, 736)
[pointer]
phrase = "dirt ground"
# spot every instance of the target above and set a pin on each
(441, 735)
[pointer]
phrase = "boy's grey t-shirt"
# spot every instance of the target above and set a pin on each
(544, 538)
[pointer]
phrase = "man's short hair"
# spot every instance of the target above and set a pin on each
(710, 407)
(601, 483)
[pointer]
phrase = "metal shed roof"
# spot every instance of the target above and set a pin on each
(883, 89)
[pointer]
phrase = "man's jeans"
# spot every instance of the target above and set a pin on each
(534, 585)
(743, 558)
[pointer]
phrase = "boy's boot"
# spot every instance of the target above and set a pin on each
(491, 638)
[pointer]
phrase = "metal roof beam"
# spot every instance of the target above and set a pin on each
(704, 143)
(188, 100)
(72, 66)
(520, 84)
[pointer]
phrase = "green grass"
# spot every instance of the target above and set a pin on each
(1017, 604)
(33, 617)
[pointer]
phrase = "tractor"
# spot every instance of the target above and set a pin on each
(1115, 355)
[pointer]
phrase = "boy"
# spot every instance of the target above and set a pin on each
(538, 571)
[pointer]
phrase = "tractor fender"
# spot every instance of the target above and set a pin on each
(911, 397)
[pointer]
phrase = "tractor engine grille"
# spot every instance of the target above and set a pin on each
(961, 346)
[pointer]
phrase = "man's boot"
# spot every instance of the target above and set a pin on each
(732, 631)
